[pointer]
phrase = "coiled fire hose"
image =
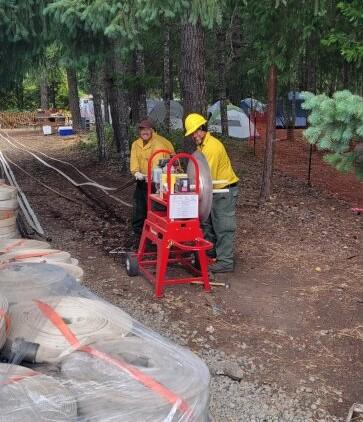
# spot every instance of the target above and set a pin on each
(11, 245)
(117, 396)
(28, 396)
(90, 320)
(26, 281)
(37, 255)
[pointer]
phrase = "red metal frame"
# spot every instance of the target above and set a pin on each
(176, 240)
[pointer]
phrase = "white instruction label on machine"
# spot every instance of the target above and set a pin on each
(183, 206)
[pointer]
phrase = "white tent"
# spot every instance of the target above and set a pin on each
(158, 112)
(239, 125)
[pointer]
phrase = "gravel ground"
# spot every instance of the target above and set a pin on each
(237, 394)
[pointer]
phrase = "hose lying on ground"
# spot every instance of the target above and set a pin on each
(103, 188)
(27, 210)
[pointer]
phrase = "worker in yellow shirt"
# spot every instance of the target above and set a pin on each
(221, 225)
(141, 150)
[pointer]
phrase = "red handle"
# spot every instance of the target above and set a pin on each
(202, 244)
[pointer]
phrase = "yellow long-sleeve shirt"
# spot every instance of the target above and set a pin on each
(141, 153)
(218, 160)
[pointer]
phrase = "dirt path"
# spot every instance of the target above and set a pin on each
(295, 304)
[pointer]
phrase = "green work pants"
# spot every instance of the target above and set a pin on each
(220, 227)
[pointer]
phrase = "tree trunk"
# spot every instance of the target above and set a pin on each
(193, 81)
(140, 73)
(96, 89)
(20, 94)
(291, 117)
(52, 95)
(73, 98)
(221, 72)
(117, 96)
(44, 99)
(266, 186)
(106, 105)
(167, 79)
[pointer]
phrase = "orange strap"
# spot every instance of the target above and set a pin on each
(13, 245)
(17, 378)
(3, 314)
(133, 372)
(34, 255)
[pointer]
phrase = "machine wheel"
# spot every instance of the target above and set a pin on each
(132, 266)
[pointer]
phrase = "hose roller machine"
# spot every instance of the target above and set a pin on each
(174, 212)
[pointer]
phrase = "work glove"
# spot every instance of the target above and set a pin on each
(139, 176)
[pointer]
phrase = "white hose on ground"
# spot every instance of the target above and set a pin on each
(89, 320)
(3, 319)
(56, 159)
(41, 183)
(97, 185)
(94, 184)
(28, 212)
(28, 396)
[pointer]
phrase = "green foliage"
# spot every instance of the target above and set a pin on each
(336, 125)
(347, 36)
(90, 143)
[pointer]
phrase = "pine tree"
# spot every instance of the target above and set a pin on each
(336, 126)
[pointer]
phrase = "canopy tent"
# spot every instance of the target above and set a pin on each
(158, 112)
(251, 103)
(239, 125)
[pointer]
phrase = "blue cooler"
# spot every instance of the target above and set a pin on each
(65, 131)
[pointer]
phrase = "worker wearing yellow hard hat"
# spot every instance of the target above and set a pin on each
(141, 150)
(221, 225)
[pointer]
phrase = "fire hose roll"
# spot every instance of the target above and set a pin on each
(115, 395)
(10, 245)
(72, 269)
(3, 320)
(90, 320)
(28, 396)
(37, 255)
(7, 192)
(25, 281)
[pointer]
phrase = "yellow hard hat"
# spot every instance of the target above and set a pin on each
(193, 122)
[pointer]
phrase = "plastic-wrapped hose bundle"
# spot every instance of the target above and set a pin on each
(115, 395)
(113, 367)
(28, 396)
(26, 281)
(90, 320)
(3, 320)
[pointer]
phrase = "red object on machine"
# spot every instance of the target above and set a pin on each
(177, 240)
